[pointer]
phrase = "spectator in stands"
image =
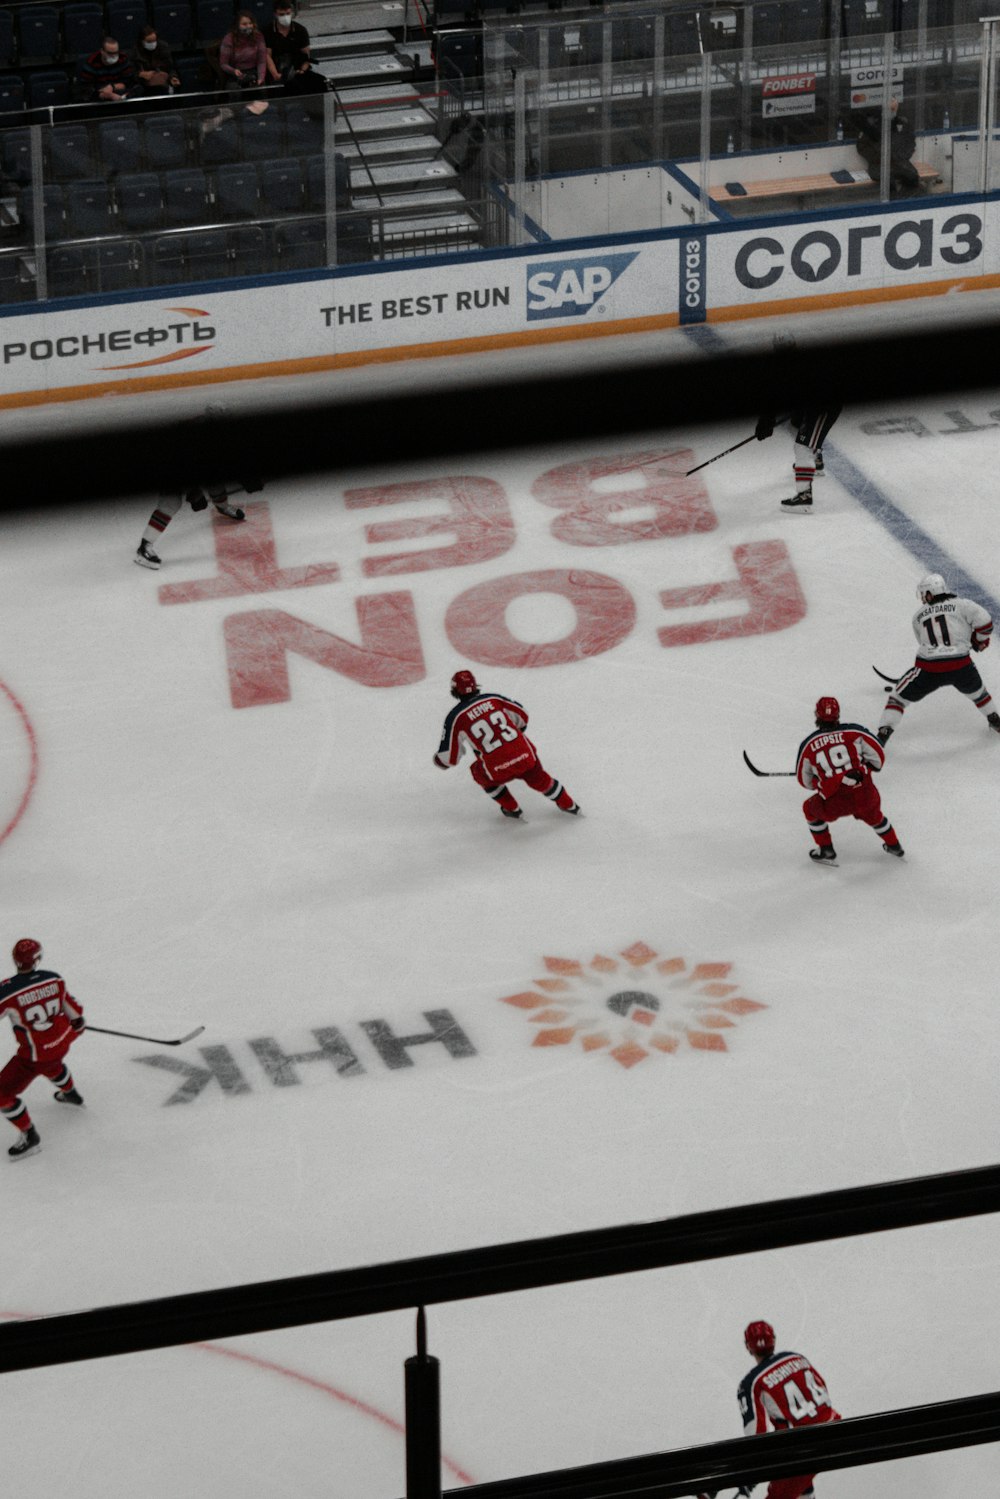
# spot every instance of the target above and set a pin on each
(904, 179)
(243, 55)
(154, 65)
(105, 74)
(288, 60)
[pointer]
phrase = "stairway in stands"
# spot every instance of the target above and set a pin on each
(387, 128)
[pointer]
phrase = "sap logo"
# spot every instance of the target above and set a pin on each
(570, 288)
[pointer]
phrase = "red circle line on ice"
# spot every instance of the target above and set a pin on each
(26, 795)
(268, 1366)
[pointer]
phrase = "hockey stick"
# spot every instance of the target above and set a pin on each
(153, 1040)
(882, 674)
(757, 772)
(735, 445)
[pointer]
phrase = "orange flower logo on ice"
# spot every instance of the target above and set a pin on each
(635, 1005)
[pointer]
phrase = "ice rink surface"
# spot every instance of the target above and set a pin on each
(427, 1028)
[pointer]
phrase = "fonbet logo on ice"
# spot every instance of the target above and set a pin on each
(570, 288)
(634, 1006)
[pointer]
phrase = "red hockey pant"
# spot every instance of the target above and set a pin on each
(789, 1488)
(864, 803)
(18, 1074)
(535, 777)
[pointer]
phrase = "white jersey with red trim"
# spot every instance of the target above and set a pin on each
(949, 628)
(40, 1010)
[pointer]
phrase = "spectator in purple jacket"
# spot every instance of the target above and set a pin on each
(106, 74)
(243, 54)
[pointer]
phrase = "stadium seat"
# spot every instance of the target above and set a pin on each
(89, 209)
(192, 72)
(89, 270)
(304, 126)
(208, 255)
(263, 135)
(38, 34)
(248, 250)
(164, 141)
(301, 246)
(261, 10)
(47, 90)
(8, 46)
(460, 54)
(118, 146)
(173, 22)
(281, 186)
(125, 20)
(83, 29)
(803, 21)
(354, 239)
(316, 182)
(683, 38)
(212, 19)
(70, 152)
(13, 287)
(767, 24)
(54, 206)
(237, 191)
(11, 93)
(140, 202)
(219, 145)
(185, 195)
(16, 157)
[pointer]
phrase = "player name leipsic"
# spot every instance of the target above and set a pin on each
(429, 305)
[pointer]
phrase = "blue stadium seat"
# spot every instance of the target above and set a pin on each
(11, 93)
(316, 182)
(89, 270)
(83, 29)
(8, 46)
(70, 152)
(166, 261)
(683, 39)
(13, 287)
(632, 37)
(191, 72)
(173, 22)
(16, 147)
(304, 126)
(354, 238)
(38, 33)
(767, 24)
(208, 255)
(185, 196)
(263, 136)
(164, 141)
(248, 251)
(125, 20)
(261, 10)
(46, 90)
(219, 145)
(54, 205)
(89, 209)
(212, 19)
(803, 21)
(140, 202)
(300, 246)
(237, 191)
(281, 186)
(118, 146)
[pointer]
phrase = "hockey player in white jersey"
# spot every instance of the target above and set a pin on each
(947, 628)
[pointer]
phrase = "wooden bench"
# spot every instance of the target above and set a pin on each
(846, 180)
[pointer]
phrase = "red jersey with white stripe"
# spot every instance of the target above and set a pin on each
(490, 724)
(785, 1390)
(828, 756)
(40, 1010)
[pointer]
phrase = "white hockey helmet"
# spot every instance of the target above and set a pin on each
(931, 583)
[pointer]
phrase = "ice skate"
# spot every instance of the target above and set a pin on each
(146, 557)
(27, 1145)
(232, 511)
(820, 467)
(799, 504)
(68, 1095)
(896, 849)
(513, 812)
(883, 734)
(574, 810)
(824, 855)
(993, 719)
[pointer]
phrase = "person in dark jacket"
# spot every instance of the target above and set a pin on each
(288, 59)
(105, 74)
(154, 65)
(904, 179)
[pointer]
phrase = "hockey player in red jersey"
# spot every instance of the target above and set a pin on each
(491, 725)
(783, 1389)
(46, 1020)
(947, 629)
(836, 764)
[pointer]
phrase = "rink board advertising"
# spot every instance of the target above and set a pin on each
(542, 293)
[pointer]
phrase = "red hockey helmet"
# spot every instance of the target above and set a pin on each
(759, 1338)
(463, 684)
(27, 953)
(828, 710)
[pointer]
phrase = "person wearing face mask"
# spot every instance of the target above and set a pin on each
(287, 42)
(243, 55)
(106, 74)
(154, 65)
